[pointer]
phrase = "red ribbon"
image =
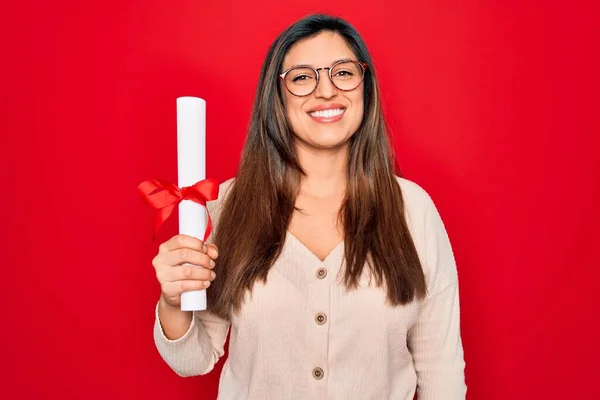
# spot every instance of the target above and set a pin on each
(165, 196)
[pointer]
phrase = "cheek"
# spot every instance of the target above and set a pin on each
(360, 106)
(294, 111)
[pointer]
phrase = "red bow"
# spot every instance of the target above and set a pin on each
(164, 196)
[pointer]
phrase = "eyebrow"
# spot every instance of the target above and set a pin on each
(308, 65)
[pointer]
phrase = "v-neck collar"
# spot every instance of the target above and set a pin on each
(303, 247)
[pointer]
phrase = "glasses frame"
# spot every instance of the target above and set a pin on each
(329, 69)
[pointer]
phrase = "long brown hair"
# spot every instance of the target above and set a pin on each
(258, 207)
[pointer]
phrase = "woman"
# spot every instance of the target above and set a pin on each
(336, 276)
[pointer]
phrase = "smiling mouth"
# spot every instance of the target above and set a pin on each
(331, 113)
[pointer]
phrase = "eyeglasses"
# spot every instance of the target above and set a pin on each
(345, 75)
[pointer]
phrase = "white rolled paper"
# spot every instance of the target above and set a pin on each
(191, 168)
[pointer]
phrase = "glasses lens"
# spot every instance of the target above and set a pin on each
(301, 81)
(347, 75)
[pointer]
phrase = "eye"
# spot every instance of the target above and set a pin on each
(343, 73)
(301, 78)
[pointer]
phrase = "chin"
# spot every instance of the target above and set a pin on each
(328, 142)
(323, 137)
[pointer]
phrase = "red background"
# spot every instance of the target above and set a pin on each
(494, 106)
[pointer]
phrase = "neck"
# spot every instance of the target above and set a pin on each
(326, 170)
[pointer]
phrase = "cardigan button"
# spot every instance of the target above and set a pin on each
(321, 318)
(321, 273)
(318, 373)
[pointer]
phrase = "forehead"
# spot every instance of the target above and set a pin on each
(320, 50)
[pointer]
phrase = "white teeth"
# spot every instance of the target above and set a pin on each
(327, 113)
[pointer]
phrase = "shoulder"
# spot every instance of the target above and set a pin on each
(417, 201)
(224, 187)
(429, 236)
(411, 189)
(214, 207)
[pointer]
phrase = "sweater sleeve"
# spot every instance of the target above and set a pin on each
(199, 349)
(435, 341)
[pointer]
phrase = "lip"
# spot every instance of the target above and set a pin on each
(330, 106)
(334, 118)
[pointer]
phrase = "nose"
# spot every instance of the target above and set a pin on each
(325, 88)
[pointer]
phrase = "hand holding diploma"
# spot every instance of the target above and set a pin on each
(183, 265)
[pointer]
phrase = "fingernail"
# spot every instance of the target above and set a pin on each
(212, 263)
(206, 283)
(212, 274)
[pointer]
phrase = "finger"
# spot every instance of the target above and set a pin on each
(182, 241)
(189, 272)
(174, 289)
(213, 251)
(188, 256)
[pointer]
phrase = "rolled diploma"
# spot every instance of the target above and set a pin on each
(191, 168)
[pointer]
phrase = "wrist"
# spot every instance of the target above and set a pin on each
(163, 304)
(170, 309)
(173, 321)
